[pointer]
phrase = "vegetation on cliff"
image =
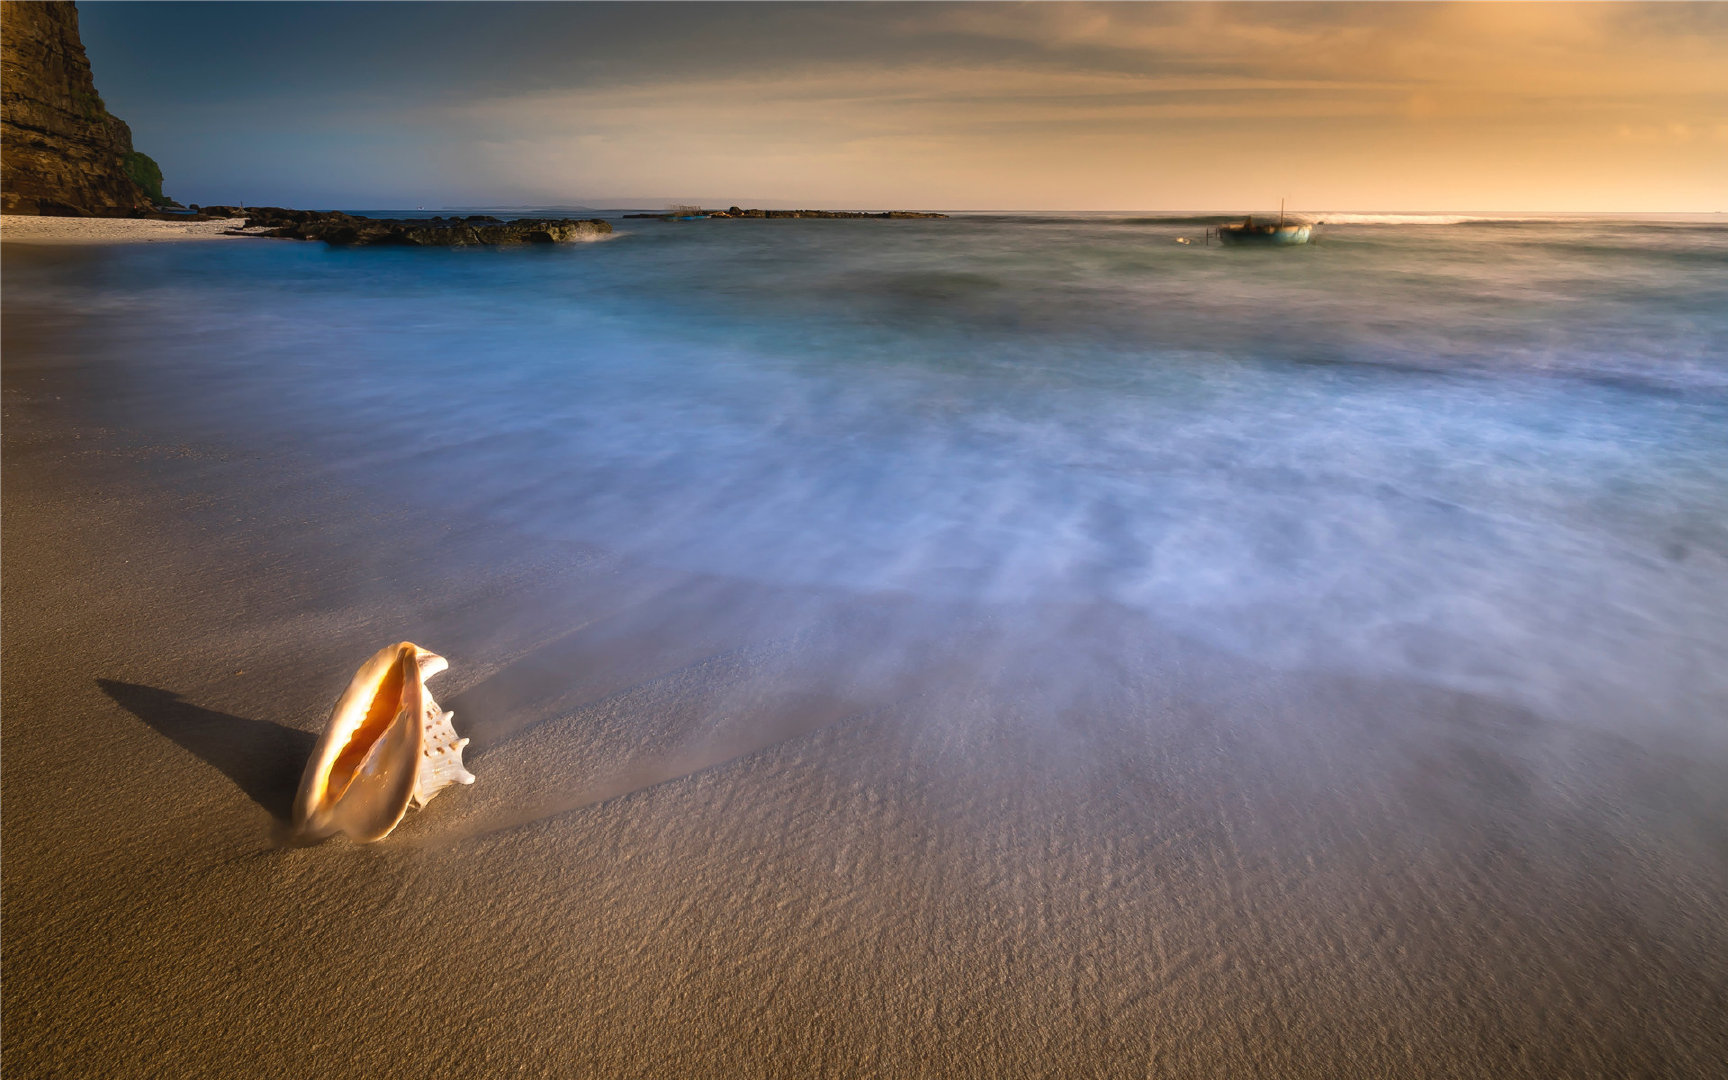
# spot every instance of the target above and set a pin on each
(144, 171)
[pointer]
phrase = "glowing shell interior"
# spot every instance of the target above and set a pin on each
(388, 746)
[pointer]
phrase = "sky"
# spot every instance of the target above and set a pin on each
(1054, 106)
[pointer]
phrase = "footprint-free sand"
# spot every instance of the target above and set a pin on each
(32, 229)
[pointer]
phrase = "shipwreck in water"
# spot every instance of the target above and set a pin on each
(1265, 233)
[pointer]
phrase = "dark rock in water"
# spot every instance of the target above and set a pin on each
(279, 217)
(735, 212)
(61, 153)
(335, 227)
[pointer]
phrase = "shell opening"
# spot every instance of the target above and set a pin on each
(385, 705)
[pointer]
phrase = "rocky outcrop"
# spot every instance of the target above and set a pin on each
(335, 227)
(734, 212)
(60, 151)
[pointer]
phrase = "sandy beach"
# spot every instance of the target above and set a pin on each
(703, 843)
(34, 229)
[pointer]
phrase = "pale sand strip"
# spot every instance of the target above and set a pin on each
(30, 229)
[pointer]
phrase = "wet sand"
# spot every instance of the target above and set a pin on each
(705, 841)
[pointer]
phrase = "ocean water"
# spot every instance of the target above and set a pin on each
(1488, 455)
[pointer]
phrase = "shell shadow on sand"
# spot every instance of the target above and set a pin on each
(263, 759)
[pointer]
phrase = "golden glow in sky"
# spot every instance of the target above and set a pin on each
(1473, 106)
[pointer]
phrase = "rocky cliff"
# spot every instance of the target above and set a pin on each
(60, 151)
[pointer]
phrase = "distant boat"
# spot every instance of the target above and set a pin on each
(1282, 233)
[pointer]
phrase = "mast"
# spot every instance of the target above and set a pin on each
(1280, 213)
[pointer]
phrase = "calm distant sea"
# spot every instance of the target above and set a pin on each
(1487, 454)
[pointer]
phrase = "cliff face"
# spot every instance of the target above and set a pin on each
(60, 151)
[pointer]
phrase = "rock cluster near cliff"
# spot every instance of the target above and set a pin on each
(334, 227)
(60, 150)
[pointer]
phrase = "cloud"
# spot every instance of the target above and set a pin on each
(1072, 105)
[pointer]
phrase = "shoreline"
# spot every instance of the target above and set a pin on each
(42, 229)
(696, 827)
(334, 228)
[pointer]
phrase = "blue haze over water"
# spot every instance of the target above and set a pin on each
(1488, 455)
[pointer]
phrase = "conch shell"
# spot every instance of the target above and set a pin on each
(388, 746)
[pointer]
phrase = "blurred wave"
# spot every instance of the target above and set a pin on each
(1495, 459)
